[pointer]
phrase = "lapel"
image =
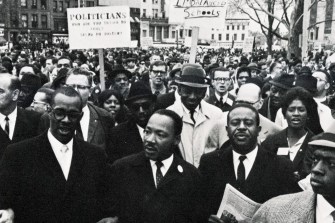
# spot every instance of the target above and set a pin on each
(93, 123)
(48, 159)
(257, 168)
(21, 124)
(133, 133)
(302, 150)
(144, 176)
(226, 173)
(281, 140)
(174, 172)
(77, 162)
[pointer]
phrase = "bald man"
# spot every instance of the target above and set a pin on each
(249, 93)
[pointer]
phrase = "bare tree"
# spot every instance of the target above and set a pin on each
(291, 13)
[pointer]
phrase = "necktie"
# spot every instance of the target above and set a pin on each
(192, 115)
(241, 171)
(7, 125)
(64, 149)
(221, 102)
(159, 175)
(157, 92)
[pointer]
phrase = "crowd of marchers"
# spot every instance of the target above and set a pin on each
(163, 137)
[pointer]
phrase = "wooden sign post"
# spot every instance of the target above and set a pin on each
(194, 44)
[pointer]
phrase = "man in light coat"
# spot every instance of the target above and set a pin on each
(198, 116)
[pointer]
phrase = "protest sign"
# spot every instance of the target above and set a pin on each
(237, 204)
(248, 44)
(99, 27)
(146, 42)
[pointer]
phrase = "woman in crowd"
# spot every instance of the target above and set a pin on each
(113, 102)
(300, 111)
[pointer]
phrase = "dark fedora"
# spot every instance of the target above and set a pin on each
(326, 139)
(307, 82)
(120, 70)
(305, 71)
(284, 81)
(139, 90)
(193, 75)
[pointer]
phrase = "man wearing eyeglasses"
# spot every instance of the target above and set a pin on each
(56, 177)
(127, 138)
(219, 95)
(42, 99)
(96, 123)
(158, 71)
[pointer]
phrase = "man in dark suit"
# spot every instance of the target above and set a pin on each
(219, 95)
(16, 123)
(155, 186)
(258, 174)
(56, 177)
(127, 138)
(96, 122)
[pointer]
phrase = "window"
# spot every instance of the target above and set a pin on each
(235, 36)
(54, 8)
(232, 27)
(243, 36)
(89, 3)
(190, 32)
(44, 21)
(34, 4)
(67, 4)
(43, 4)
(144, 1)
(163, 15)
(238, 27)
(173, 34)
(24, 20)
(144, 33)
(144, 13)
(312, 35)
(60, 6)
(155, 13)
(34, 22)
(227, 27)
(151, 31)
(316, 33)
(227, 37)
(220, 37)
(23, 3)
(166, 32)
(212, 36)
(329, 17)
(243, 27)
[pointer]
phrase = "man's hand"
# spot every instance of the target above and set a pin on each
(108, 220)
(7, 216)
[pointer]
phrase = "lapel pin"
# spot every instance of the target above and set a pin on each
(180, 169)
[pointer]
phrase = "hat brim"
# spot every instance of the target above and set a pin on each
(150, 96)
(192, 84)
(322, 142)
(279, 85)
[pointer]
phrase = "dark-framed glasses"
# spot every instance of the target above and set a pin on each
(78, 86)
(222, 79)
(60, 114)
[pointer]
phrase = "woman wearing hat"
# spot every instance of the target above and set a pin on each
(119, 81)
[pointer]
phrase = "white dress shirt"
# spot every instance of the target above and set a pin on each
(248, 162)
(85, 122)
(225, 98)
(293, 150)
(187, 112)
(12, 121)
(64, 158)
(166, 165)
(323, 210)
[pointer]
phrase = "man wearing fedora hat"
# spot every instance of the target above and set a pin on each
(308, 206)
(279, 86)
(127, 138)
(198, 116)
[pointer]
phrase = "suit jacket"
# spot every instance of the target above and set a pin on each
(302, 161)
(270, 176)
(124, 140)
(176, 200)
(211, 99)
(33, 185)
(165, 100)
(292, 208)
(26, 127)
(268, 111)
(100, 125)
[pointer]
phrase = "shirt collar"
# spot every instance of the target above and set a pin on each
(57, 145)
(188, 111)
(86, 109)
(323, 207)
(224, 97)
(166, 163)
(251, 156)
(300, 141)
(11, 116)
(320, 100)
